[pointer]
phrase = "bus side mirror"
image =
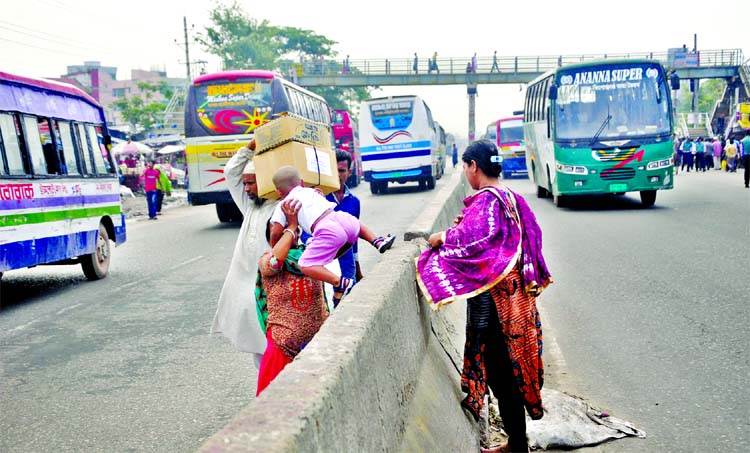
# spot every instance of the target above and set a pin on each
(674, 81)
(552, 92)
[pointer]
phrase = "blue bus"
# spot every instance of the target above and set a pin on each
(59, 189)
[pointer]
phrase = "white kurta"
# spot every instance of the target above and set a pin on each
(236, 316)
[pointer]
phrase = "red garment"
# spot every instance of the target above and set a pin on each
(522, 332)
(150, 176)
(271, 364)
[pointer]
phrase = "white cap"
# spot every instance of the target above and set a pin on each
(249, 168)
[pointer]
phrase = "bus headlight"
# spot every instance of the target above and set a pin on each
(571, 169)
(657, 164)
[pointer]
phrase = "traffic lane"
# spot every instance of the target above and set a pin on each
(126, 362)
(391, 213)
(648, 325)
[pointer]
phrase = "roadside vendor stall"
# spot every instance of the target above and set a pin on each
(130, 159)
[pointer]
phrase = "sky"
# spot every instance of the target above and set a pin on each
(39, 38)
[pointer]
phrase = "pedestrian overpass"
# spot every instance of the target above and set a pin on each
(727, 64)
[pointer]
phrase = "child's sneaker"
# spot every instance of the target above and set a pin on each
(345, 286)
(384, 243)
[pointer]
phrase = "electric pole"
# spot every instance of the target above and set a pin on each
(187, 51)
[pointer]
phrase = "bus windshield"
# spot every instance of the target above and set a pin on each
(392, 115)
(511, 132)
(492, 132)
(233, 107)
(617, 101)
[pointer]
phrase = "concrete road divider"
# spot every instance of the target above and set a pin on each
(382, 373)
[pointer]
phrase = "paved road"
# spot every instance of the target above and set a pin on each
(126, 364)
(650, 308)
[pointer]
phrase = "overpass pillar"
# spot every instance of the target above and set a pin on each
(471, 90)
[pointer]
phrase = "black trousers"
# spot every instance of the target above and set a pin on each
(502, 382)
(159, 199)
(746, 163)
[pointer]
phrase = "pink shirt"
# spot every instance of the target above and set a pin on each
(150, 176)
(717, 148)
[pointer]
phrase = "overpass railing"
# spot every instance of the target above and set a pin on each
(488, 64)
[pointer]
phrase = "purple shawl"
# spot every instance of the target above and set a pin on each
(498, 230)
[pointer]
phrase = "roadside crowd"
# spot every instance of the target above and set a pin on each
(293, 252)
(718, 154)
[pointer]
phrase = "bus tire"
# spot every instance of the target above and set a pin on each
(648, 198)
(541, 192)
(374, 186)
(383, 187)
(96, 265)
(560, 200)
(550, 193)
(430, 183)
(228, 212)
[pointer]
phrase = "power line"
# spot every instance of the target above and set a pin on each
(41, 36)
(43, 48)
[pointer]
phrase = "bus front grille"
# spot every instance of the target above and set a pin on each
(617, 174)
(613, 154)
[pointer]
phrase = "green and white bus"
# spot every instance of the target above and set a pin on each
(600, 127)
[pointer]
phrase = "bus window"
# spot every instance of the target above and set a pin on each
(97, 147)
(83, 142)
(62, 129)
(310, 109)
(291, 101)
(34, 145)
(11, 146)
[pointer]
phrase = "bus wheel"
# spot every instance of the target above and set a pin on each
(430, 183)
(96, 265)
(559, 200)
(374, 186)
(383, 187)
(648, 198)
(228, 212)
(549, 185)
(541, 192)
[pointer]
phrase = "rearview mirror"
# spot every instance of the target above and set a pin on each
(552, 92)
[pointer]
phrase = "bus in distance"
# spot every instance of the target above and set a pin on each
(508, 135)
(346, 138)
(59, 189)
(221, 113)
(600, 128)
(398, 142)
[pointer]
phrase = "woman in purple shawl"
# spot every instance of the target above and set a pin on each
(493, 258)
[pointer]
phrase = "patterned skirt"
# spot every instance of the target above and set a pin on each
(522, 333)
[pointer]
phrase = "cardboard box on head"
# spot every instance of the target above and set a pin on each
(317, 167)
(291, 128)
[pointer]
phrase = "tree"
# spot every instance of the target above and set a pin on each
(142, 113)
(244, 43)
(709, 92)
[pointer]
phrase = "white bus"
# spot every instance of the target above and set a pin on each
(398, 142)
(221, 114)
(59, 190)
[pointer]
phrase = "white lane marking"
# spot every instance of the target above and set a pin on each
(133, 283)
(63, 310)
(187, 262)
